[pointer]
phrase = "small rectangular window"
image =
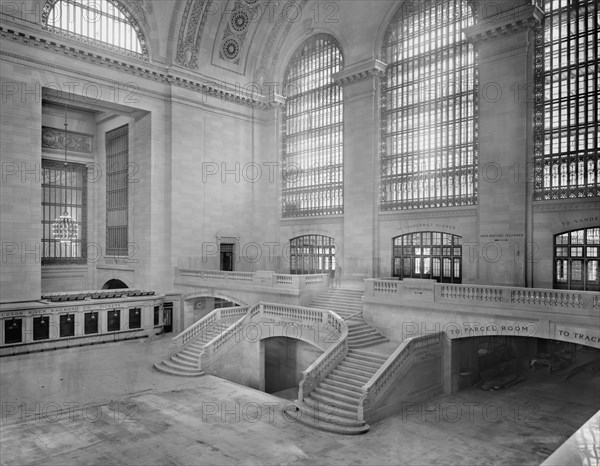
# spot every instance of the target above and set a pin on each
(67, 325)
(90, 324)
(113, 320)
(41, 328)
(13, 331)
(135, 318)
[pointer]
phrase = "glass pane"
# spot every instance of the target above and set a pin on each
(576, 271)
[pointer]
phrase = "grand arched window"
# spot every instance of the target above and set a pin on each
(567, 96)
(429, 108)
(312, 175)
(431, 255)
(577, 259)
(312, 254)
(101, 23)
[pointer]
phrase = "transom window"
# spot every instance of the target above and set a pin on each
(429, 108)
(56, 179)
(312, 177)
(102, 23)
(311, 254)
(567, 114)
(431, 255)
(576, 259)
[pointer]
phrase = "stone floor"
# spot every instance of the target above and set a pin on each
(105, 405)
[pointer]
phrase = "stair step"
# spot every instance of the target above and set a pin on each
(352, 382)
(367, 344)
(166, 369)
(355, 360)
(370, 357)
(358, 367)
(335, 386)
(180, 367)
(330, 410)
(309, 418)
(183, 362)
(337, 394)
(191, 353)
(375, 340)
(359, 376)
(331, 401)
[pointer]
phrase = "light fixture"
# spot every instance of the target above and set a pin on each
(13, 324)
(115, 314)
(93, 316)
(64, 228)
(68, 317)
(42, 321)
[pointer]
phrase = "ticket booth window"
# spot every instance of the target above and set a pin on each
(13, 331)
(113, 320)
(41, 328)
(90, 323)
(67, 325)
(577, 259)
(135, 318)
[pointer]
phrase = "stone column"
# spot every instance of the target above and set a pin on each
(361, 83)
(505, 45)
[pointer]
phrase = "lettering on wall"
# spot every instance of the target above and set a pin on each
(583, 336)
(578, 221)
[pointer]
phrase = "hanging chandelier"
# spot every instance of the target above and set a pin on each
(64, 228)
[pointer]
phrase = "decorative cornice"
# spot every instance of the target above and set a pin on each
(566, 206)
(431, 213)
(505, 24)
(143, 70)
(360, 71)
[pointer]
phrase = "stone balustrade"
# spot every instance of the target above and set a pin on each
(394, 370)
(483, 295)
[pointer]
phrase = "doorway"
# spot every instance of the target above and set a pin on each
(226, 250)
(168, 317)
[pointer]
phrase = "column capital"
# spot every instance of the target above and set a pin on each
(364, 69)
(505, 24)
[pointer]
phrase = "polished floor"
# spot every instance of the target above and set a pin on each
(105, 405)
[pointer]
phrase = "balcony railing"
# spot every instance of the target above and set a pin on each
(483, 295)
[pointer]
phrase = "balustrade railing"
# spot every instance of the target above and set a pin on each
(394, 368)
(312, 281)
(335, 326)
(204, 325)
(489, 295)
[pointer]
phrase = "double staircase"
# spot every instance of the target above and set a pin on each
(185, 362)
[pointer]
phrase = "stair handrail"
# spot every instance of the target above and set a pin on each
(394, 367)
(295, 313)
(198, 328)
(322, 367)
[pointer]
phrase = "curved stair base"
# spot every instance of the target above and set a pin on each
(162, 367)
(325, 419)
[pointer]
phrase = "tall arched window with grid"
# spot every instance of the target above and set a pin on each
(567, 96)
(429, 108)
(312, 155)
(105, 24)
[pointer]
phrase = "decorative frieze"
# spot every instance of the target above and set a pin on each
(54, 139)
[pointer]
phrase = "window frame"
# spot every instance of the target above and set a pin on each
(414, 175)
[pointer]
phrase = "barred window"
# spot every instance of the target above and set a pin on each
(312, 178)
(311, 254)
(430, 255)
(567, 114)
(577, 259)
(102, 23)
(117, 191)
(429, 108)
(59, 179)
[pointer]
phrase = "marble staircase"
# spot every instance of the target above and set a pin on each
(333, 405)
(347, 303)
(185, 362)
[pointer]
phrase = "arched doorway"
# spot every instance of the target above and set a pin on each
(311, 254)
(114, 284)
(428, 254)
